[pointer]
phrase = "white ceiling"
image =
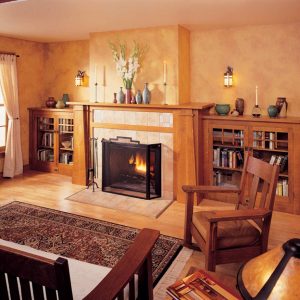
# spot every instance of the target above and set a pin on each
(65, 20)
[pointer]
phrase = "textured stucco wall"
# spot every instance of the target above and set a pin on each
(266, 56)
(162, 45)
(62, 61)
(31, 83)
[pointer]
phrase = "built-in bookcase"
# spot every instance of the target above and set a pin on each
(51, 140)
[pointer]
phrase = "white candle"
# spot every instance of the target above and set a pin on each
(165, 72)
(95, 73)
(103, 78)
(256, 98)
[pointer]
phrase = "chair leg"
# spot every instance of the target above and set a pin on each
(210, 262)
(188, 220)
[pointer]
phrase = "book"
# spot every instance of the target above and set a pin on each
(198, 286)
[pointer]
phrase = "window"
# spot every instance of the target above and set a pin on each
(3, 124)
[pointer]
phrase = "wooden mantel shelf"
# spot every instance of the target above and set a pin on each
(191, 105)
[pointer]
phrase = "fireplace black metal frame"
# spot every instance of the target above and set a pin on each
(132, 144)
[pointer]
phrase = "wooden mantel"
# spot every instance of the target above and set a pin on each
(187, 137)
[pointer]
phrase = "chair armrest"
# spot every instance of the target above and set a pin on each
(232, 215)
(132, 261)
(209, 189)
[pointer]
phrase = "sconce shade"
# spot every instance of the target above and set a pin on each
(79, 78)
(228, 77)
(273, 275)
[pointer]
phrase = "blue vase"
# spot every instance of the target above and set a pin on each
(146, 94)
(138, 97)
(65, 98)
(272, 111)
(121, 96)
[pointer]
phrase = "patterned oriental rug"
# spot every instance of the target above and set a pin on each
(81, 238)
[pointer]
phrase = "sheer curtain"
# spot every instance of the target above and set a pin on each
(13, 162)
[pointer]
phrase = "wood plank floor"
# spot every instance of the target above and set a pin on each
(50, 190)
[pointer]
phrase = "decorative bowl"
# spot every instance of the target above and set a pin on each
(66, 144)
(222, 109)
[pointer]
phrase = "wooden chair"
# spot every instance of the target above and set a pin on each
(53, 275)
(234, 235)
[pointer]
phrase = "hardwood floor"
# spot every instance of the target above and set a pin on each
(49, 190)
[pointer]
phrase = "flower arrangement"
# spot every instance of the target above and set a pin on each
(127, 68)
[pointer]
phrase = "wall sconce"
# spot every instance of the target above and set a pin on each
(228, 77)
(272, 275)
(79, 78)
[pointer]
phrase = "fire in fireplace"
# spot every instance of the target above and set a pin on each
(130, 168)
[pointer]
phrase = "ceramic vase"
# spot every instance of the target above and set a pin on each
(138, 97)
(121, 96)
(146, 94)
(50, 102)
(128, 96)
(272, 111)
(60, 103)
(115, 98)
(282, 106)
(240, 105)
(65, 98)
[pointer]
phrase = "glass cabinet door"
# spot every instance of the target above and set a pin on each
(66, 140)
(45, 139)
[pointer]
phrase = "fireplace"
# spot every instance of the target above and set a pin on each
(130, 168)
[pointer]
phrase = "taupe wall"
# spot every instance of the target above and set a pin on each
(266, 56)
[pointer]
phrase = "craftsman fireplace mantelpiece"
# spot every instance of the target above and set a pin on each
(179, 135)
(131, 168)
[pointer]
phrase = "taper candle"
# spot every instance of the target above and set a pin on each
(165, 72)
(95, 73)
(256, 95)
(103, 79)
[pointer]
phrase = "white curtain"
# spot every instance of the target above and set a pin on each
(13, 162)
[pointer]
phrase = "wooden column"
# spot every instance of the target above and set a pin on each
(81, 144)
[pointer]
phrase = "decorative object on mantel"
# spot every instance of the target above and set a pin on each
(228, 77)
(115, 98)
(65, 98)
(222, 109)
(79, 78)
(256, 111)
(272, 111)
(121, 96)
(138, 97)
(127, 68)
(50, 102)
(282, 106)
(165, 83)
(146, 94)
(240, 105)
(133, 99)
(234, 113)
(60, 103)
(96, 85)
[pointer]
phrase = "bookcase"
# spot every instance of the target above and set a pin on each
(51, 140)
(276, 141)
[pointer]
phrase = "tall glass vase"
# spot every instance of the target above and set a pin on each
(128, 96)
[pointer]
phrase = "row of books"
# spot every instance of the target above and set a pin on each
(66, 158)
(281, 160)
(47, 139)
(282, 188)
(227, 158)
(45, 155)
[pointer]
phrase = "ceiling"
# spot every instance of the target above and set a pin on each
(65, 20)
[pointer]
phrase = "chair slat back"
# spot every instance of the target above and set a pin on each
(26, 274)
(258, 173)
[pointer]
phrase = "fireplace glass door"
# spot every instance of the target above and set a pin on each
(131, 168)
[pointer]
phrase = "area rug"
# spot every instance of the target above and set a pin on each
(85, 239)
(149, 208)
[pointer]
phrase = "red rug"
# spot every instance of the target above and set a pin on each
(90, 240)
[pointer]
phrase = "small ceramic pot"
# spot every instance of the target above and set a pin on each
(222, 109)
(50, 102)
(239, 105)
(272, 111)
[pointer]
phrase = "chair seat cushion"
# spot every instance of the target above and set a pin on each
(230, 233)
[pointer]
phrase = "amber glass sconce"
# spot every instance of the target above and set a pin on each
(228, 77)
(79, 78)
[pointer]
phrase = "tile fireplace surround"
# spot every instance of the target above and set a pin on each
(176, 127)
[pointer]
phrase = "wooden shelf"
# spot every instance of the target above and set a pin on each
(229, 169)
(228, 146)
(66, 149)
(270, 150)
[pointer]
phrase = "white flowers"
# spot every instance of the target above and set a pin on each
(126, 69)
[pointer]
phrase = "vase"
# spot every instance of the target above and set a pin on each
(272, 111)
(50, 102)
(146, 94)
(282, 106)
(65, 98)
(138, 97)
(121, 96)
(239, 105)
(115, 98)
(60, 103)
(128, 96)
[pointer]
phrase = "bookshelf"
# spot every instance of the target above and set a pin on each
(51, 140)
(276, 141)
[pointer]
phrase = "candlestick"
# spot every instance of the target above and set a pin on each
(256, 95)
(165, 72)
(103, 78)
(95, 73)
(165, 93)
